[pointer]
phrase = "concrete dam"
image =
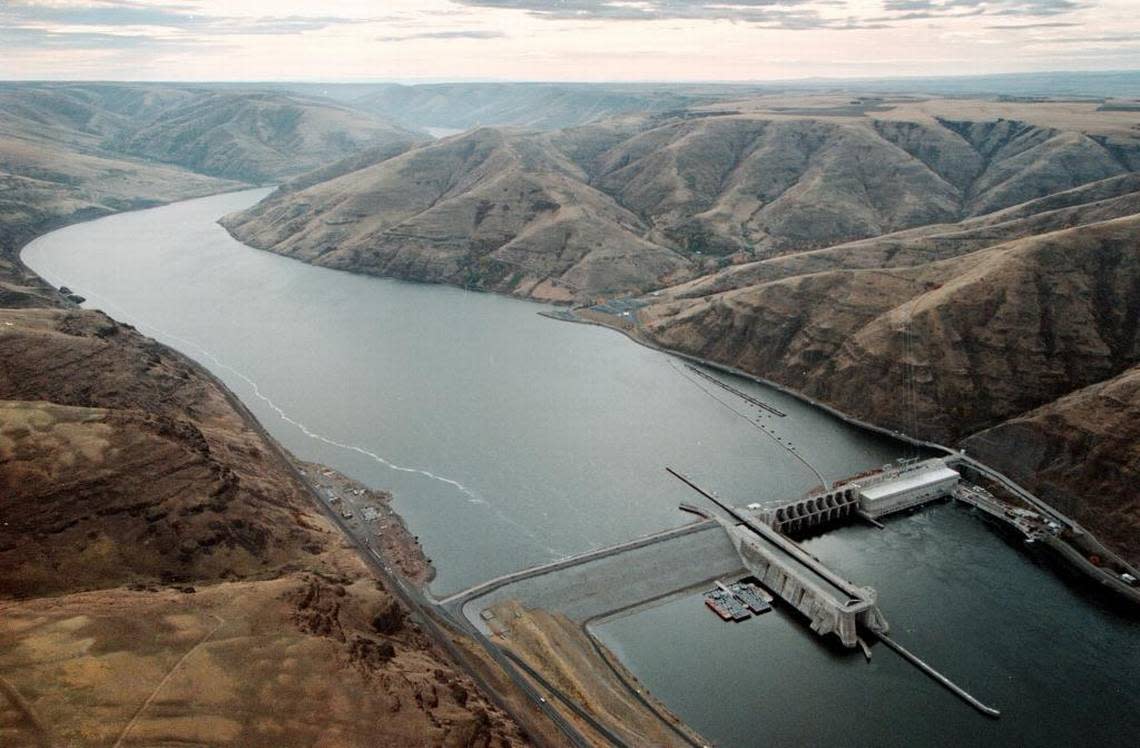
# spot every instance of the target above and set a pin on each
(737, 542)
(749, 541)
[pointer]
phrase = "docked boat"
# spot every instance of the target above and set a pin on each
(750, 595)
(716, 607)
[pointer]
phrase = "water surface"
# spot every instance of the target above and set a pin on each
(1061, 668)
(510, 439)
(507, 438)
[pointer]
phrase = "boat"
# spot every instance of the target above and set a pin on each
(735, 607)
(750, 595)
(717, 608)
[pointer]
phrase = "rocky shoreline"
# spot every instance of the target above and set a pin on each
(175, 505)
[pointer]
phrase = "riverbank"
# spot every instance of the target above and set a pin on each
(180, 522)
(369, 512)
(570, 661)
(1081, 551)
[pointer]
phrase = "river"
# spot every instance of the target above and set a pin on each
(509, 439)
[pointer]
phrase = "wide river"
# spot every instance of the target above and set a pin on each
(509, 439)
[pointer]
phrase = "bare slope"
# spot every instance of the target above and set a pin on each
(250, 136)
(986, 335)
(945, 349)
(1081, 453)
(125, 470)
(631, 204)
(257, 137)
(761, 186)
(43, 185)
(495, 209)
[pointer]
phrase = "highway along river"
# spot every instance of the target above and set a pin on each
(509, 439)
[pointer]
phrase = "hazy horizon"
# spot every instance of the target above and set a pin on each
(759, 82)
(571, 41)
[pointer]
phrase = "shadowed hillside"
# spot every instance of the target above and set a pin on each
(167, 576)
(634, 203)
(1081, 453)
(249, 136)
(986, 341)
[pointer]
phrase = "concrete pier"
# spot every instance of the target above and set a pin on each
(832, 604)
(913, 659)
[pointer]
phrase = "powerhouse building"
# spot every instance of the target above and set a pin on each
(925, 481)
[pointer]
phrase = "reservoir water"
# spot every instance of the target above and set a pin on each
(509, 439)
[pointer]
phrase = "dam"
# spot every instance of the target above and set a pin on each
(871, 494)
(656, 567)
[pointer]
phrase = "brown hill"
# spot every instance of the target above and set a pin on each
(167, 578)
(496, 209)
(163, 567)
(100, 465)
(941, 349)
(44, 186)
(257, 137)
(1115, 197)
(1081, 453)
(72, 152)
(250, 136)
(627, 205)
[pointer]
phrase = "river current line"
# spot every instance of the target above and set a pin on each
(472, 497)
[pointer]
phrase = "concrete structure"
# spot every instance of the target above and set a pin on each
(831, 604)
(803, 514)
(896, 490)
(613, 580)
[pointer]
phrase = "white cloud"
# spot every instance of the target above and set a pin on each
(550, 40)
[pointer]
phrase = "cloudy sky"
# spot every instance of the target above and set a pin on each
(585, 40)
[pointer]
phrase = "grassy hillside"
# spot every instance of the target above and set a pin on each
(162, 561)
(638, 202)
(249, 136)
(496, 209)
(987, 341)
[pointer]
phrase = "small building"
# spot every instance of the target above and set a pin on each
(927, 481)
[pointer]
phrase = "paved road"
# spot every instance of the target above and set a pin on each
(423, 613)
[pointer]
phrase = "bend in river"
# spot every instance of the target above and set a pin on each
(509, 439)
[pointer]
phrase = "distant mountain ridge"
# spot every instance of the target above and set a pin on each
(76, 151)
(250, 136)
(543, 106)
(639, 202)
(553, 104)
